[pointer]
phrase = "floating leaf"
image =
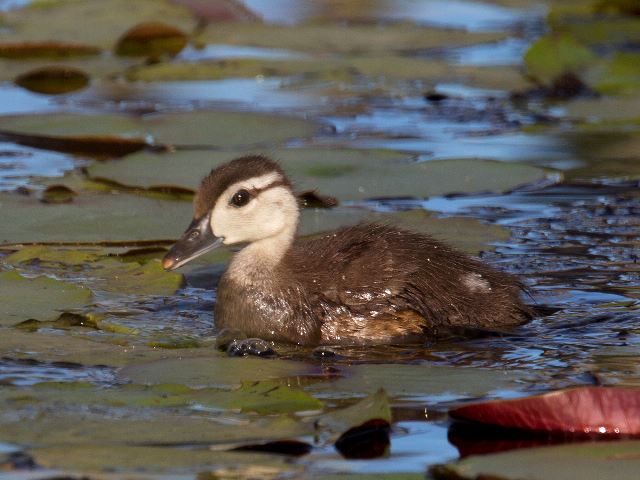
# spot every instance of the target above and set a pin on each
(92, 218)
(588, 461)
(582, 410)
(342, 38)
(267, 397)
(344, 174)
(424, 381)
(617, 7)
(57, 194)
(103, 146)
(621, 75)
(151, 39)
(551, 57)
(375, 406)
(217, 371)
(131, 278)
(76, 21)
(40, 298)
(50, 49)
(148, 462)
(53, 80)
(66, 256)
(203, 128)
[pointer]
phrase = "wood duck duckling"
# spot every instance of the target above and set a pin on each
(364, 284)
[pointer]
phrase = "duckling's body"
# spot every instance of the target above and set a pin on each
(364, 284)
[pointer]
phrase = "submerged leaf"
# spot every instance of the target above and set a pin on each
(54, 80)
(582, 410)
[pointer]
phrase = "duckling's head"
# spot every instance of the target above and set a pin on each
(246, 200)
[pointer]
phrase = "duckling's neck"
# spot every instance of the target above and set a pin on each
(254, 264)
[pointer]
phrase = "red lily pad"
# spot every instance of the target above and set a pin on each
(600, 411)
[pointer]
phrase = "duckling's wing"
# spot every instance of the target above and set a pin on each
(378, 272)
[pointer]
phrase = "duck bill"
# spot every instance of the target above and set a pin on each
(197, 240)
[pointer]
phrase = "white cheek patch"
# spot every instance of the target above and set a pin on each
(475, 283)
(256, 219)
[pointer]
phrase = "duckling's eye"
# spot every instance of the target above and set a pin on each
(240, 198)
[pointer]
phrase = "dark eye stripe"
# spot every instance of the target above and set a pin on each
(239, 200)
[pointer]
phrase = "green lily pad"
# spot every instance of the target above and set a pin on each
(583, 460)
(465, 233)
(130, 277)
(137, 462)
(552, 56)
(162, 428)
(375, 406)
(345, 174)
(46, 254)
(621, 75)
(335, 69)
(51, 49)
(267, 397)
(39, 298)
(220, 129)
(264, 397)
(218, 371)
(606, 113)
(418, 381)
(92, 218)
(86, 350)
(76, 21)
(341, 38)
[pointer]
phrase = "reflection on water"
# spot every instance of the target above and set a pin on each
(14, 100)
(19, 164)
(251, 94)
(25, 372)
(219, 52)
